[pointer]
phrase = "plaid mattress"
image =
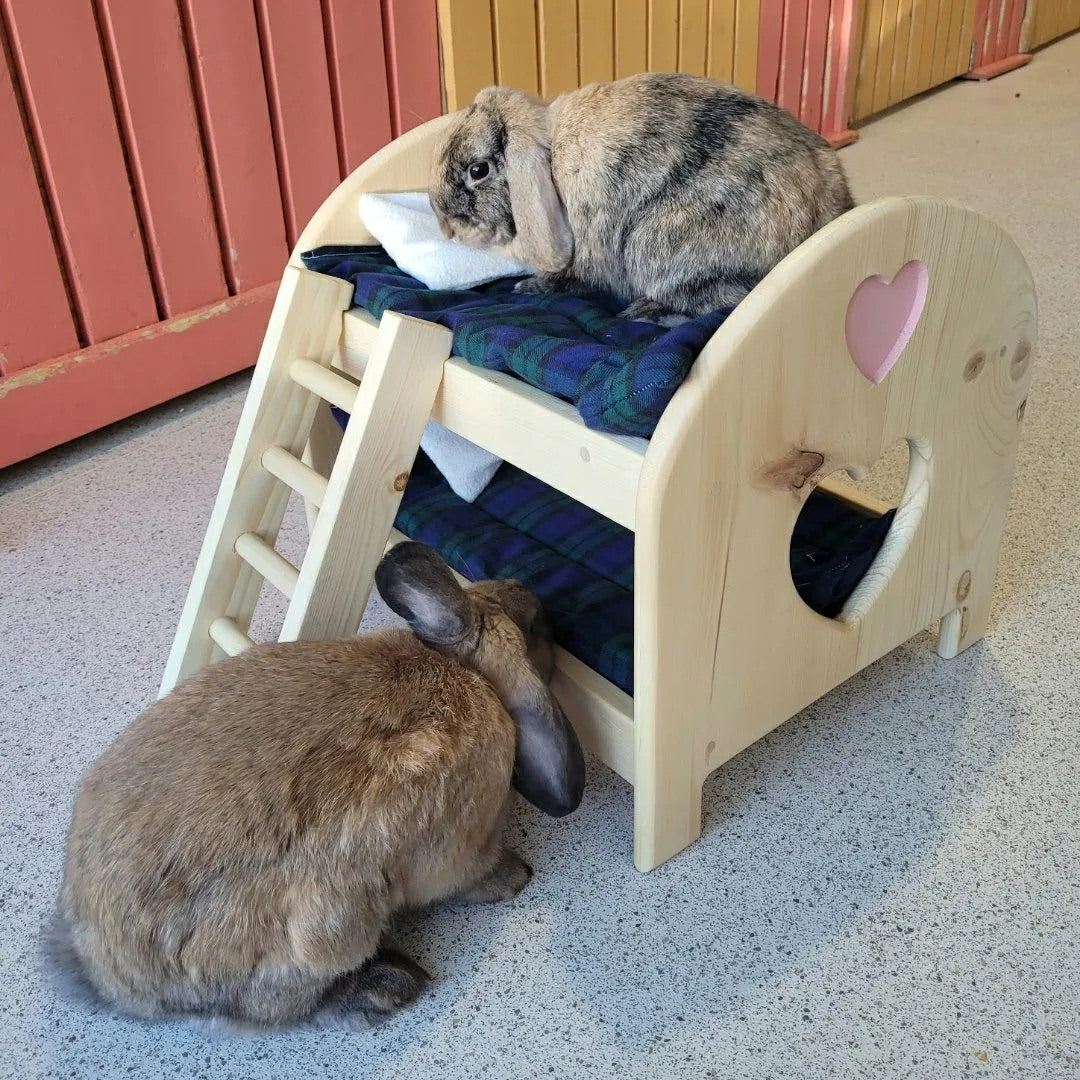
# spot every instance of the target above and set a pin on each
(620, 374)
(581, 565)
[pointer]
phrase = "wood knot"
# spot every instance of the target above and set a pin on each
(963, 587)
(400, 481)
(974, 366)
(1020, 360)
(964, 620)
(1021, 409)
(793, 471)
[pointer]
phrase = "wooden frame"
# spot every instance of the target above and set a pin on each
(724, 648)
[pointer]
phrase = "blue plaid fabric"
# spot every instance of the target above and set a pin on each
(620, 374)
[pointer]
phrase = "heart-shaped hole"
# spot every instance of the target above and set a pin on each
(843, 554)
(882, 316)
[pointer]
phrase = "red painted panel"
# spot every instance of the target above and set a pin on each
(149, 66)
(52, 403)
(982, 16)
(838, 74)
(35, 320)
(1010, 30)
(55, 43)
(791, 55)
(354, 38)
(298, 84)
(412, 57)
(231, 93)
(817, 41)
(770, 40)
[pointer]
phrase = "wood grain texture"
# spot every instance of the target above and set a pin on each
(231, 93)
(792, 56)
(305, 321)
(706, 502)
(770, 46)
(1053, 18)
(631, 37)
(514, 28)
(747, 29)
(596, 41)
(663, 35)
(83, 163)
(465, 32)
(358, 79)
(35, 320)
(557, 46)
(868, 59)
(693, 35)
(56, 401)
(812, 99)
(720, 61)
(841, 71)
(412, 49)
(517, 422)
(301, 111)
(368, 479)
(150, 76)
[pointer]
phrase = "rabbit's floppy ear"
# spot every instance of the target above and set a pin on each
(416, 584)
(549, 767)
(543, 239)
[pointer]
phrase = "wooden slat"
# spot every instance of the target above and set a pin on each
(693, 36)
(720, 58)
(1016, 20)
(965, 20)
(663, 35)
(747, 31)
(514, 29)
(74, 127)
(631, 37)
(792, 55)
(886, 52)
(868, 59)
(557, 46)
(811, 105)
(929, 31)
(358, 83)
(596, 41)
(231, 94)
(537, 433)
(412, 60)
(150, 76)
(54, 402)
(35, 320)
(941, 43)
(845, 33)
(770, 43)
(903, 52)
(981, 28)
(468, 62)
(298, 86)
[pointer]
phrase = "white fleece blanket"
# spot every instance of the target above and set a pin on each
(407, 228)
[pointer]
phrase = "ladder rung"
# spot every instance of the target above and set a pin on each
(229, 636)
(260, 556)
(329, 385)
(292, 471)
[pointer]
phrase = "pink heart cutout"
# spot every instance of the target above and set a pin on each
(882, 316)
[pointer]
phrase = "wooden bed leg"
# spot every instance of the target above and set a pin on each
(964, 625)
(667, 818)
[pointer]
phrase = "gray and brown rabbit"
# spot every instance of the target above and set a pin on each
(674, 192)
(237, 854)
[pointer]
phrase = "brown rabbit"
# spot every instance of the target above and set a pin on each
(673, 192)
(238, 852)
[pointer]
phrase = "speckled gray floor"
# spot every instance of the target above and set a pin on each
(887, 885)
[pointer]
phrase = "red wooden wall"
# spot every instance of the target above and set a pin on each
(160, 157)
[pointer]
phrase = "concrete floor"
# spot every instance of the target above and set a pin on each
(888, 885)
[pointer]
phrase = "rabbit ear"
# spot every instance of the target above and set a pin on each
(417, 585)
(549, 767)
(544, 239)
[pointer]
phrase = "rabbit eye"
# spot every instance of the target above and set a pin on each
(478, 170)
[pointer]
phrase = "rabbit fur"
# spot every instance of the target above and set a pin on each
(237, 854)
(672, 192)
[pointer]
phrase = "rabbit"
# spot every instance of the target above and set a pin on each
(235, 857)
(672, 192)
